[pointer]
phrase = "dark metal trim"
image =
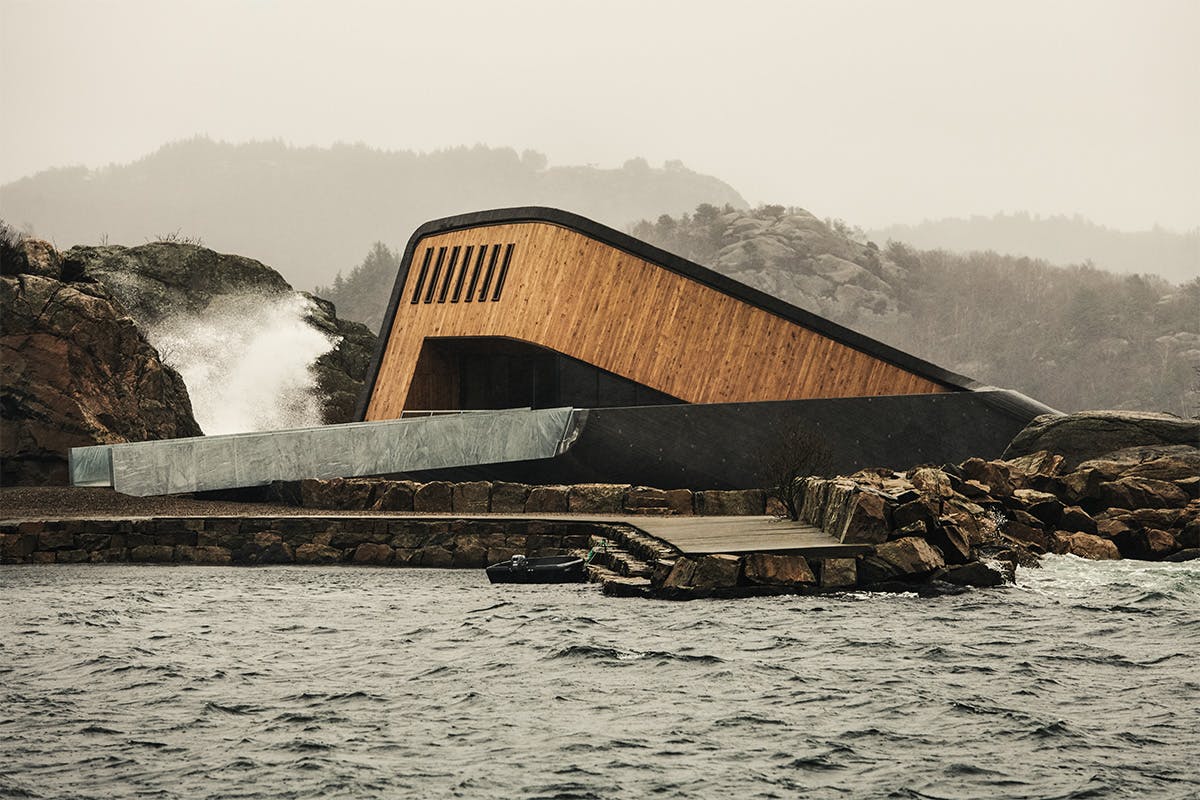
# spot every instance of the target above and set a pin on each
(661, 258)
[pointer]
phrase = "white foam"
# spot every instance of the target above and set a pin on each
(246, 361)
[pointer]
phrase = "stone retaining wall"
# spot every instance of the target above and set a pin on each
(479, 497)
(287, 540)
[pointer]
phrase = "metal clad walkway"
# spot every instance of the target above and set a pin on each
(201, 463)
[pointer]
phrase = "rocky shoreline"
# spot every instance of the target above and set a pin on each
(929, 530)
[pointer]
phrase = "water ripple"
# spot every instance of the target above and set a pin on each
(123, 682)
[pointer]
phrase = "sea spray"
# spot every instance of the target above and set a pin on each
(246, 360)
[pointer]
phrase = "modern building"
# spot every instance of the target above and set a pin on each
(680, 376)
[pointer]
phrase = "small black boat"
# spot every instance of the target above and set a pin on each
(553, 569)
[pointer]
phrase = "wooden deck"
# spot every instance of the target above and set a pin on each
(734, 535)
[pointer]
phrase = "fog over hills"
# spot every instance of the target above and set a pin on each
(1059, 240)
(312, 212)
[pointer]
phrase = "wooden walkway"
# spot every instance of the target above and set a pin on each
(734, 535)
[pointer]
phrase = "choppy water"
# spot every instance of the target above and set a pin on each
(122, 681)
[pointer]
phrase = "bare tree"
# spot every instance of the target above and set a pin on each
(798, 453)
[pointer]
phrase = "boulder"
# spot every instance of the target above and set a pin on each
(997, 477)
(931, 482)
(77, 371)
(1085, 545)
(596, 498)
(394, 495)
(777, 570)
(348, 494)
(1189, 535)
(646, 500)
(1147, 545)
(682, 574)
(376, 554)
(734, 503)
(434, 556)
(1042, 463)
(1190, 554)
(1032, 536)
(867, 522)
(313, 553)
(680, 501)
(1075, 520)
(717, 572)
(1111, 528)
(1090, 434)
(268, 547)
(910, 556)
(472, 498)
(974, 573)
(921, 512)
(33, 257)
(1141, 493)
(1044, 506)
(839, 573)
(1083, 485)
(547, 499)
(155, 553)
(951, 541)
(1162, 462)
(509, 498)
(434, 497)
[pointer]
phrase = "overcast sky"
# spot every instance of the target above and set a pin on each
(876, 112)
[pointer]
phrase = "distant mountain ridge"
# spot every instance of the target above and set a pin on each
(1059, 240)
(312, 211)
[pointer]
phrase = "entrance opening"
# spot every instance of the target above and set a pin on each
(478, 373)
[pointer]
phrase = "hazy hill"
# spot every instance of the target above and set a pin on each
(1074, 337)
(1060, 240)
(312, 212)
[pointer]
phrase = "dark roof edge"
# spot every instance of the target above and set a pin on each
(662, 258)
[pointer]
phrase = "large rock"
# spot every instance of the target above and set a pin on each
(1091, 434)
(867, 522)
(76, 371)
(1085, 545)
(163, 279)
(1163, 463)
(738, 502)
(596, 498)
(717, 572)
(1142, 493)
(839, 573)
(770, 569)
(910, 556)
(472, 498)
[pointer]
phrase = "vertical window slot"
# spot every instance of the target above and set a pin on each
(491, 270)
(416, 295)
(475, 273)
(433, 279)
(508, 251)
(462, 274)
(449, 274)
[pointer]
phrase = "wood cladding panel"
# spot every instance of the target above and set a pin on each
(588, 300)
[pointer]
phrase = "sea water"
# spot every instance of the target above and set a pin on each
(288, 682)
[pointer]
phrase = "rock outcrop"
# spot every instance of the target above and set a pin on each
(78, 367)
(162, 279)
(75, 370)
(1091, 434)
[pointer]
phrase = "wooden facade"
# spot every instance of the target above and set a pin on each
(568, 285)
